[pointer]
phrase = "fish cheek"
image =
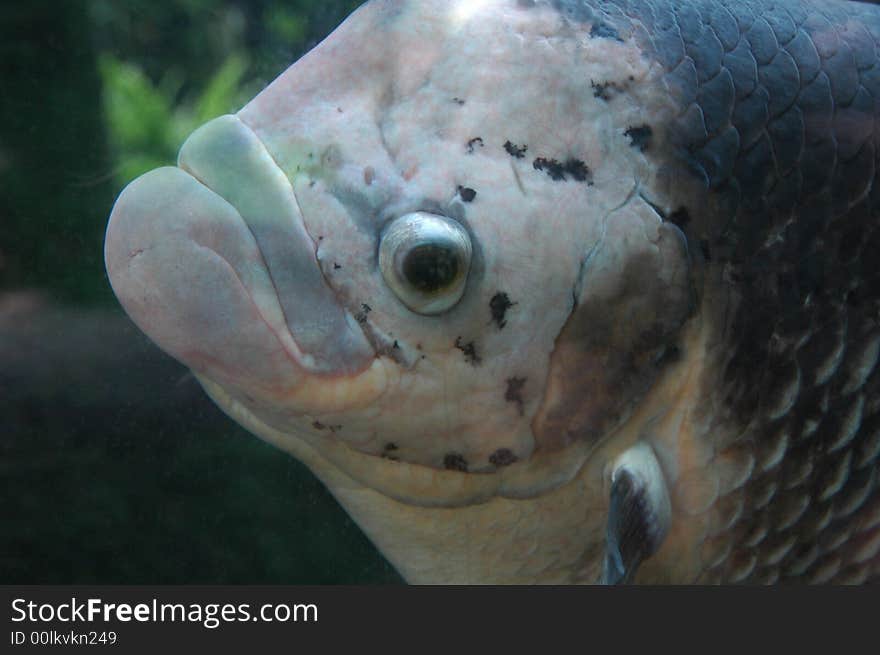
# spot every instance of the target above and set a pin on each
(634, 296)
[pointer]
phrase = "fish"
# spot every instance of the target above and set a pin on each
(548, 291)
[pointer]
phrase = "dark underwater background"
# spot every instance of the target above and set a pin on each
(114, 465)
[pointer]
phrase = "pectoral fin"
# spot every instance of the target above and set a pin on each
(639, 513)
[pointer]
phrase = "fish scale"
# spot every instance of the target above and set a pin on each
(818, 360)
(783, 79)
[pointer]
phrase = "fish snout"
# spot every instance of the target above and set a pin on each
(212, 260)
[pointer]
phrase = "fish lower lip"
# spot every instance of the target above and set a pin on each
(213, 262)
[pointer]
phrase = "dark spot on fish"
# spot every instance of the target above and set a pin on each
(312, 184)
(602, 90)
(514, 150)
(334, 428)
(455, 462)
(604, 31)
(311, 155)
(331, 157)
(579, 170)
(389, 448)
(469, 350)
(640, 137)
(369, 175)
(336, 266)
(458, 101)
(550, 166)
(318, 425)
(704, 248)
(499, 305)
(680, 217)
(502, 457)
(418, 346)
(321, 238)
(339, 109)
(396, 345)
(514, 392)
(557, 171)
(361, 316)
(474, 142)
(467, 194)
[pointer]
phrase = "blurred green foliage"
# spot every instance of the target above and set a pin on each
(287, 24)
(146, 124)
(151, 107)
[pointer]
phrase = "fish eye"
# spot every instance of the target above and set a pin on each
(425, 260)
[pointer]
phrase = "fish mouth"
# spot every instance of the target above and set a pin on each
(212, 260)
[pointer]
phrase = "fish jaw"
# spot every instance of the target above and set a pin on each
(212, 261)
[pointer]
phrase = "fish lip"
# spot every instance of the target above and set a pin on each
(189, 270)
(371, 333)
(178, 256)
(230, 159)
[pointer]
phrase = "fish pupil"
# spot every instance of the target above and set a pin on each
(430, 267)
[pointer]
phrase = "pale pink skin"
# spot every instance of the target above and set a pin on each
(370, 117)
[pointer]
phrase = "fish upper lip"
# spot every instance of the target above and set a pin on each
(296, 202)
(229, 158)
(372, 333)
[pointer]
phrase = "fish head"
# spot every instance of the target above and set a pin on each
(427, 253)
